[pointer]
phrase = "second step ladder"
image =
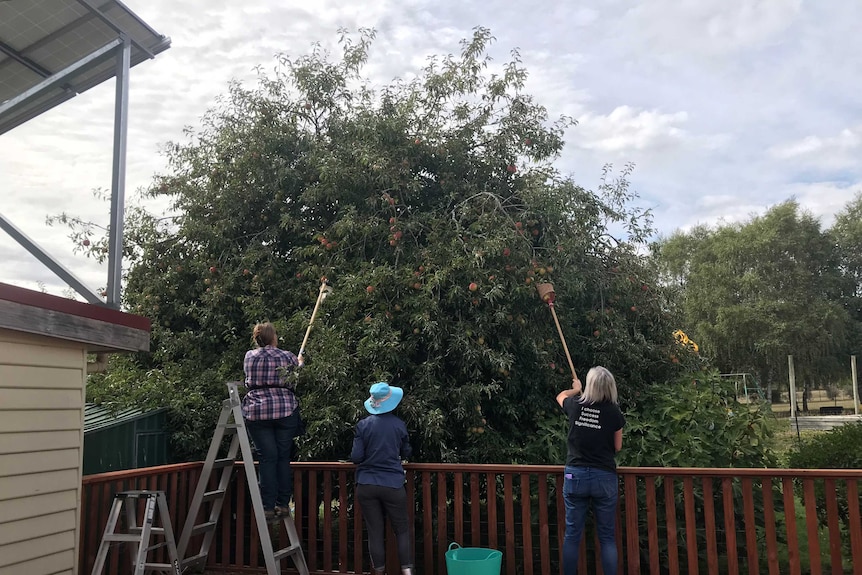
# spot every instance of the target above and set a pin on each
(231, 423)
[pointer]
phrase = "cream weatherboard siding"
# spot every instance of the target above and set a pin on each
(42, 383)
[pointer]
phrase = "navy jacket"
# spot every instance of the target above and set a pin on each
(379, 445)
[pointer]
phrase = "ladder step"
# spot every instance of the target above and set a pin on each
(199, 558)
(159, 566)
(122, 537)
(153, 531)
(203, 528)
(212, 495)
(221, 463)
(286, 552)
(157, 546)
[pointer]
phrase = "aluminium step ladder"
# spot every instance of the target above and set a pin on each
(231, 423)
(138, 536)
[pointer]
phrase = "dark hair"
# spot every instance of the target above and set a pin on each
(264, 334)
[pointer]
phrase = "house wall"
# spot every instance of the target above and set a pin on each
(42, 383)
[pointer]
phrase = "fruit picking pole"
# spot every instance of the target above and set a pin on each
(563, 339)
(548, 295)
(325, 290)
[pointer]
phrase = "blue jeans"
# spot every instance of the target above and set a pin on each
(274, 441)
(582, 486)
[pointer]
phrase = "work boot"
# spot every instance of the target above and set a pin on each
(408, 570)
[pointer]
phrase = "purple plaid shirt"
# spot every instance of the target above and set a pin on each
(269, 396)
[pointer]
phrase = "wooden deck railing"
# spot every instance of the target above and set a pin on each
(671, 521)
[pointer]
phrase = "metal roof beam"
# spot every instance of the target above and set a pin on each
(23, 60)
(110, 22)
(49, 262)
(102, 54)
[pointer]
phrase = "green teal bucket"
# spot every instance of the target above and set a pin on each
(473, 560)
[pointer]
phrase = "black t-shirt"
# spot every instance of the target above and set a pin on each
(591, 433)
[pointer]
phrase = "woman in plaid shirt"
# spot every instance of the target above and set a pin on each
(271, 411)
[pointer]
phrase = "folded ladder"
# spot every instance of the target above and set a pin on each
(138, 537)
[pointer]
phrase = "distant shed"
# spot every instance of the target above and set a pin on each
(44, 343)
(125, 439)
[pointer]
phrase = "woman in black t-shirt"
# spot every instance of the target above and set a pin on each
(595, 435)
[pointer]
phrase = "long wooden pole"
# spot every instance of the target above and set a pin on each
(320, 297)
(563, 339)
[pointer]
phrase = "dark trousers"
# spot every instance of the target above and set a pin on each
(377, 504)
(274, 441)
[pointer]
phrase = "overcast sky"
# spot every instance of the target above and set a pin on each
(726, 107)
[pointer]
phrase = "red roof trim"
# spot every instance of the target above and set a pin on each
(69, 306)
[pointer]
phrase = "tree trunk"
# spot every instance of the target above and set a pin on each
(763, 374)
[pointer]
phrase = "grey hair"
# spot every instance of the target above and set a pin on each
(601, 386)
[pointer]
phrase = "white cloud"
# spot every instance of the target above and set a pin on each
(626, 129)
(710, 26)
(824, 199)
(725, 106)
(830, 152)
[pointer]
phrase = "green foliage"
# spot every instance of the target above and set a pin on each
(192, 408)
(434, 208)
(847, 234)
(753, 293)
(696, 421)
(839, 448)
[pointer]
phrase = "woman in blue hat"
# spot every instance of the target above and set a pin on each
(379, 446)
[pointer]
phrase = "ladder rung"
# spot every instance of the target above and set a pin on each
(211, 495)
(200, 557)
(122, 537)
(231, 426)
(286, 552)
(220, 463)
(157, 546)
(159, 566)
(203, 528)
(153, 531)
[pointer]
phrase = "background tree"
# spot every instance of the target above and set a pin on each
(847, 234)
(434, 207)
(755, 292)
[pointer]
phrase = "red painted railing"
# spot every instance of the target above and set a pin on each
(673, 521)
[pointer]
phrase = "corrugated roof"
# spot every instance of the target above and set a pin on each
(101, 417)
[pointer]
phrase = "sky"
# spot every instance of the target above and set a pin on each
(725, 107)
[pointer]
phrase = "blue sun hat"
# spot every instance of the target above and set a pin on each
(384, 398)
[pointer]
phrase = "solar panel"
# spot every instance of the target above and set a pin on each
(41, 38)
